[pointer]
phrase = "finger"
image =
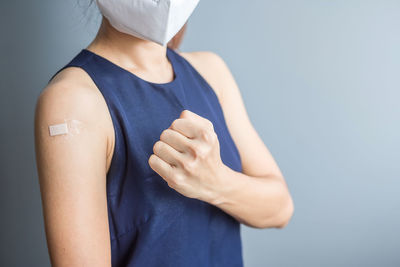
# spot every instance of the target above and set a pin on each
(175, 139)
(161, 167)
(168, 153)
(196, 117)
(192, 130)
(186, 127)
(191, 124)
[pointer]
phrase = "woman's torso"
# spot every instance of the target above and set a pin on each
(150, 223)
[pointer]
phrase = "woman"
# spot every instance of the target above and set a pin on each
(146, 155)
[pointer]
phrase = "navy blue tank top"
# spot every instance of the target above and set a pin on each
(150, 223)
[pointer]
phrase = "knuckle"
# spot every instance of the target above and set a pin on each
(189, 166)
(180, 161)
(170, 173)
(174, 123)
(176, 179)
(207, 135)
(185, 112)
(210, 124)
(171, 183)
(195, 148)
(203, 134)
(213, 137)
(200, 153)
(164, 134)
(157, 147)
(151, 159)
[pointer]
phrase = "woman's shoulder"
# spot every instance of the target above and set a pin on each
(211, 66)
(71, 92)
(72, 95)
(71, 80)
(72, 86)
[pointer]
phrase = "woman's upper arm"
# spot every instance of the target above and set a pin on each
(72, 173)
(255, 156)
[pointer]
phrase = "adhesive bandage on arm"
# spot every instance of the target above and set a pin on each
(68, 128)
(58, 129)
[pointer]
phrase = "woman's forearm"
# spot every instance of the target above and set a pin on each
(260, 202)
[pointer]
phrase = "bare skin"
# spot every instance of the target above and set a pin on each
(72, 171)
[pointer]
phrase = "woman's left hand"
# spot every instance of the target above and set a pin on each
(187, 157)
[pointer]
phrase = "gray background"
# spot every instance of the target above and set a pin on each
(320, 80)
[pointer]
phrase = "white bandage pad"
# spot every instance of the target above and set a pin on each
(58, 129)
(66, 129)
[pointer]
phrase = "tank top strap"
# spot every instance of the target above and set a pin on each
(190, 72)
(98, 69)
(78, 61)
(174, 58)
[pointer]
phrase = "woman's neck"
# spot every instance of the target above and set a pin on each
(128, 50)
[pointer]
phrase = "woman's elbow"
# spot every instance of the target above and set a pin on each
(282, 217)
(286, 214)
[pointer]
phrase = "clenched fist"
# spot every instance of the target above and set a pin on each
(187, 157)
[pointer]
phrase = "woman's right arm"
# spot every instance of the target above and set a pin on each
(72, 170)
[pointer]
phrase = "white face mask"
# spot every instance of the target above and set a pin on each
(153, 20)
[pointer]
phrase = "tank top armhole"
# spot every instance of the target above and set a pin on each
(91, 75)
